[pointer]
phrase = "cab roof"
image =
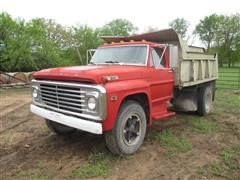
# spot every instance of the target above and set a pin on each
(127, 43)
(162, 36)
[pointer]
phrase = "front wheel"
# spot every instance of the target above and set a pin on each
(130, 128)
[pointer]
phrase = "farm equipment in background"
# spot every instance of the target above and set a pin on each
(15, 79)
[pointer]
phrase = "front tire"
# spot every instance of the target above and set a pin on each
(58, 128)
(205, 100)
(129, 131)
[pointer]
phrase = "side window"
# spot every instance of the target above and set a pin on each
(156, 54)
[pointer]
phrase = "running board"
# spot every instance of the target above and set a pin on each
(163, 115)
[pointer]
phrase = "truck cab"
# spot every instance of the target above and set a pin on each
(128, 84)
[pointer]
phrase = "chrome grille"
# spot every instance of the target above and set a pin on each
(67, 98)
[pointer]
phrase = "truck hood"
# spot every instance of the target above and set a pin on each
(91, 73)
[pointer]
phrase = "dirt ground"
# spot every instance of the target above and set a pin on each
(28, 150)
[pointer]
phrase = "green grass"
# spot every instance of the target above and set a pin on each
(98, 169)
(231, 158)
(227, 100)
(173, 144)
(41, 164)
(98, 164)
(227, 165)
(38, 178)
(203, 125)
(32, 175)
(216, 169)
(201, 170)
(229, 78)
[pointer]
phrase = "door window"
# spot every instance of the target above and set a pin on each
(156, 55)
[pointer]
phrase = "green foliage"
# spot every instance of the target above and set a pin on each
(41, 43)
(207, 29)
(14, 44)
(229, 39)
(84, 38)
(118, 27)
(26, 45)
(222, 34)
(173, 144)
(180, 25)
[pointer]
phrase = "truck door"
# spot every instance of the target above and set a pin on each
(161, 84)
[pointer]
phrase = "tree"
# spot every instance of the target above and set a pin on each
(58, 34)
(228, 38)
(180, 25)
(62, 38)
(27, 46)
(85, 38)
(117, 27)
(15, 53)
(221, 34)
(45, 51)
(207, 29)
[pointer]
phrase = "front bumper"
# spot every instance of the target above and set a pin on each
(78, 123)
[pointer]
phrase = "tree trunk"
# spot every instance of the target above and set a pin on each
(221, 63)
(208, 46)
(79, 55)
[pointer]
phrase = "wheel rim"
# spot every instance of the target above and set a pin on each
(208, 101)
(132, 130)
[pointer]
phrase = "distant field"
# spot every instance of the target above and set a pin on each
(229, 78)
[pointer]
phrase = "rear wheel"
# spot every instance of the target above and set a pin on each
(129, 131)
(205, 99)
(58, 128)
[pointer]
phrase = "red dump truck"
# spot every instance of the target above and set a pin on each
(129, 83)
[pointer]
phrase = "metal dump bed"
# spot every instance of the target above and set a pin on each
(192, 65)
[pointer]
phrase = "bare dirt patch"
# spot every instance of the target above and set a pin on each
(28, 150)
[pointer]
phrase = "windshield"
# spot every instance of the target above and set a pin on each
(120, 54)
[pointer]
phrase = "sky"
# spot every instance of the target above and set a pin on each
(95, 13)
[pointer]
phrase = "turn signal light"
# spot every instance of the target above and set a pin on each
(106, 79)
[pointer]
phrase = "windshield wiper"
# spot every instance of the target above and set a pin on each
(112, 62)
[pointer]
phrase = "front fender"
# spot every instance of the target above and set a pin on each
(117, 91)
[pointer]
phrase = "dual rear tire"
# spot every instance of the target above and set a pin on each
(205, 100)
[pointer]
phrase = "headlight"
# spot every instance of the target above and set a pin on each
(35, 92)
(91, 103)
